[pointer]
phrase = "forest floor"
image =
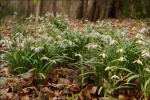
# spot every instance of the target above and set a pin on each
(62, 83)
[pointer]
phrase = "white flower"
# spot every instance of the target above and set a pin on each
(78, 55)
(37, 49)
(115, 77)
(120, 51)
(107, 68)
(92, 46)
(112, 42)
(59, 37)
(44, 58)
(147, 69)
(140, 42)
(145, 53)
(8, 43)
(70, 43)
(103, 55)
(138, 62)
(48, 14)
(108, 39)
(95, 34)
(139, 36)
(121, 59)
(41, 28)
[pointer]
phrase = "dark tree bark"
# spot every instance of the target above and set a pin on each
(87, 9)
(54, 7)
(80, 12)
(100, 9)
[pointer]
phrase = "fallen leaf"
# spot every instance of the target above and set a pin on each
(9, 95)
(74, 88)
(93, 89)
(25, 97)
(63, 81)
(4, 72)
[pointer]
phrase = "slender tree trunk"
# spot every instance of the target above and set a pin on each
(69, 3)
(37, 10)
(54, 7)
(85, 10)
(95, 10)
(80, 12)
(42, 7)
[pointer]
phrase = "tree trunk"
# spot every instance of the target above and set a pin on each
(37, 10)
(80, 11)
(54, 7)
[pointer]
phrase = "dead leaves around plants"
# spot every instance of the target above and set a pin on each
(89, 93)
(60, 86)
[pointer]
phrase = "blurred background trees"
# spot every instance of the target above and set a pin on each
(81, 9)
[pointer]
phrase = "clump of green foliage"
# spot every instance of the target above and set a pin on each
(103, 56)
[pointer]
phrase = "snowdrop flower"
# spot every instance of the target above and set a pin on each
(78, 55)
(138, 62)
(112, 42)
(140, 42)
(140, 36)
(120, 51)
(115, 77)
(2, 56)
(59, 37)
(107, 68)
(41, 28)
(145, 53)
(44, 58)
(41, 18)
(147, 69)
(95, 34)
(92, 46)
(108, 39)
(37, 49)
(7, 43)
(21, 44)
(123, 32)
(48, 14)
(121, 59)
(103, 55)
(70, 43)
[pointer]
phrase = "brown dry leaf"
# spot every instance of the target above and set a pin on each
(25, 83)
(94, 99)
(57, 93)
(31, 91)
(56, 86)
(45, 96)
(45, 90)
(5, 72)
(25, 97)
(93, 89)
(133, 98)
(122, 97)
(3, 93)
(86, 94)
(74, 88)
(9, 95)
(27, 89)
(63, 81)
